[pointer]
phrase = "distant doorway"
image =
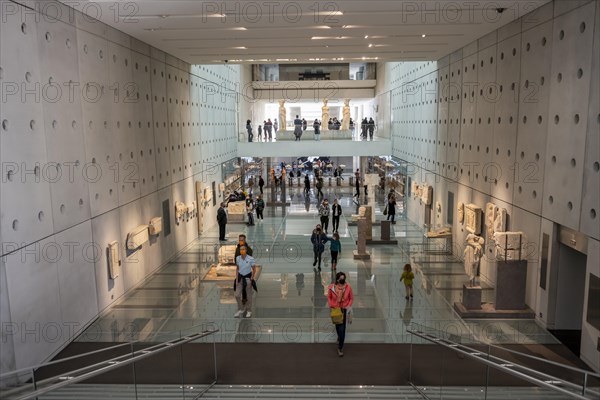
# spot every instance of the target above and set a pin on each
(570, 292)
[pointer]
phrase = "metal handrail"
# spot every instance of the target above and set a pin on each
(37, 366)
(114, 363)
(474, 354)
(569, 367)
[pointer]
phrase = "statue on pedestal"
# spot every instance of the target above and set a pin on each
(472, 256)
(346, 115)
(324, 115)
(282, 115)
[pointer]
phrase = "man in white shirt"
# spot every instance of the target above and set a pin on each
(245, 273)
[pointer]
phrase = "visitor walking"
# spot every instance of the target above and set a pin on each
(318, 240)
(244, 282)
(340, 298)
(336, 212)
(324, 215)
(408, 277)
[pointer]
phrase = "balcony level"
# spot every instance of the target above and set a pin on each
(308, 146)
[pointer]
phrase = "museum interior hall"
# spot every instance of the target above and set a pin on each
(300, 199)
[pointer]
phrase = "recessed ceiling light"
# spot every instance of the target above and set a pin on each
(423, 35)
(240, 48)
(370, 44)
(239, 28)
(366, 36)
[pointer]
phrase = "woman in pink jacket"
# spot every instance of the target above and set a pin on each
(339, 294)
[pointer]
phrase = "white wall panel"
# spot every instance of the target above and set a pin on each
(76, 276)
(500, 173)
(98, 126)
(32, 280)
(568, 112)
(25, 195)
(590, 206)
(536, 58)
(63, 123)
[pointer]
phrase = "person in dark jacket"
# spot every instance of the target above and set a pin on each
(363, 128)
(261, 183)
(306, 184)
(298, 128)
(222, 221)
(318, 240)
(242, 242)
(317, 128)
(249, 129)
(336, 212)
(371, 128)
(391, 208)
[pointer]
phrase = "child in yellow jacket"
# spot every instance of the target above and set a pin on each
(407, 277)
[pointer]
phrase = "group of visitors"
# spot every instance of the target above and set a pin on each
(267, 128)
(340, 295)
(367, 127)
(253, 206)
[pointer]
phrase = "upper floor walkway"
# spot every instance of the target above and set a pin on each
(331, 143)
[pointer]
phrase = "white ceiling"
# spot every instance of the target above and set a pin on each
(245, 31)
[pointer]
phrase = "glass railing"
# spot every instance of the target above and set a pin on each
(127, 368)
(480, 371)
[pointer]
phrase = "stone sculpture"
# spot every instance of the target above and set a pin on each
(282, 115)
(346, 115)
(324, 115)
(472, 256)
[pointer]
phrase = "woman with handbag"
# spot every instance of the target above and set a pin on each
(340, 298)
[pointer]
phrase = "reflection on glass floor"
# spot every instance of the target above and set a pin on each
(291, 304)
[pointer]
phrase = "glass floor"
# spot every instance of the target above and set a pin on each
(291, 304)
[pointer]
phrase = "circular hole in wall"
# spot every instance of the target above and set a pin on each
(559, 77)
(24, 28)
(80, 202)
(48, 36)
(41, 216)
(561, 35)
(582, 27)
(97, 196)
(62, 208)
(520, 190)
(28, 76)
(551, 199)
(68, 43)
(544, 41)
(553, 159)
(32, 125)
(556, 119)
(573, 162)
(596, 166)
(101, 54)
(537, 156)
(534, 194)
(570, 205)
(15, 224)
(576, 118)
(593, 214)
(579, 73)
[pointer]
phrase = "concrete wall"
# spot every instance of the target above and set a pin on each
(98, 130)
(511, 118)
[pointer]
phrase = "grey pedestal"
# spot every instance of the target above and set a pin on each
(385, 230)
(511, 280)
(471, 297)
